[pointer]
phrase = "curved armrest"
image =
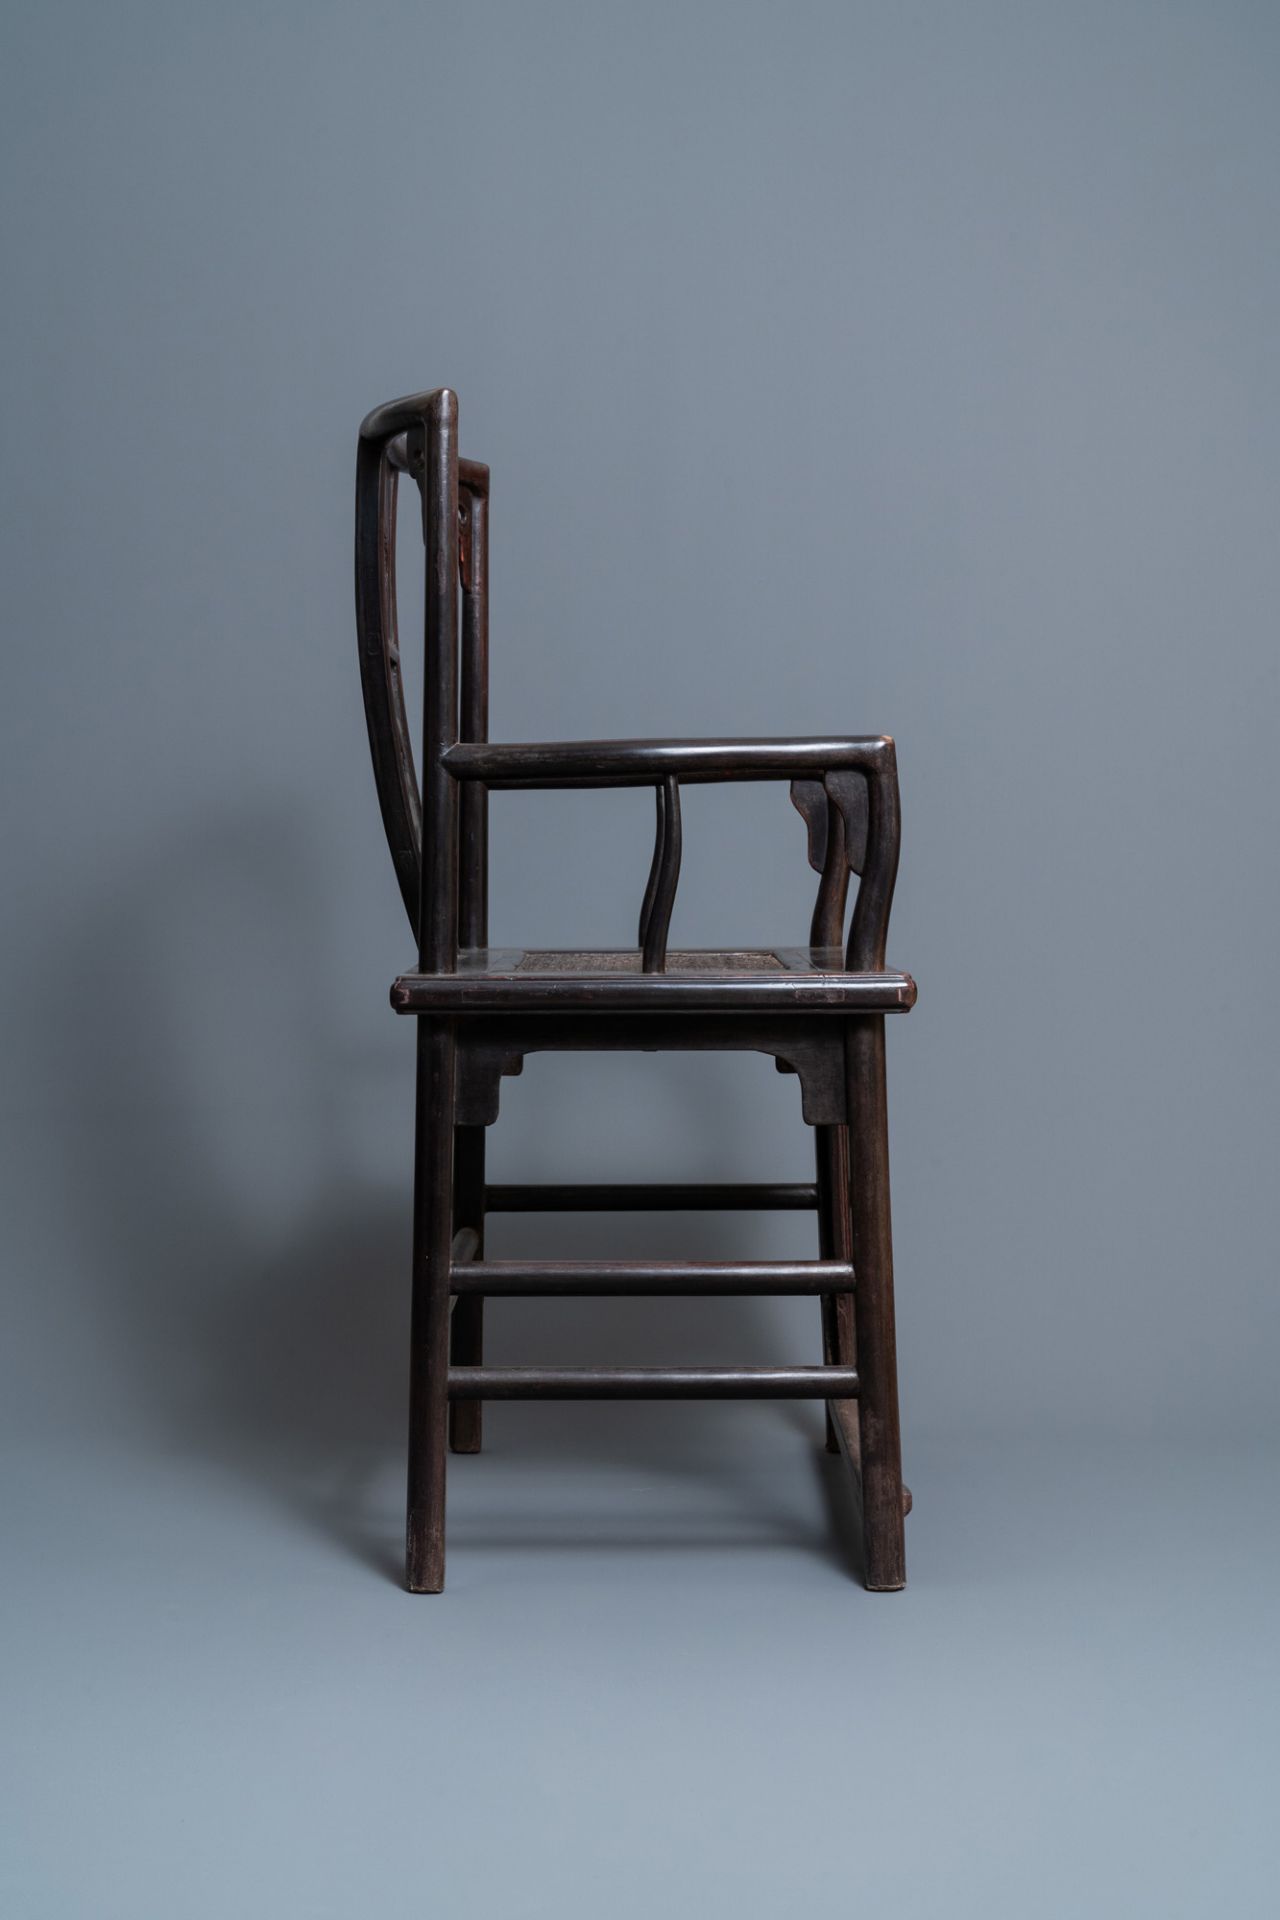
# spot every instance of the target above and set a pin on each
(867, 840)
(642, 763)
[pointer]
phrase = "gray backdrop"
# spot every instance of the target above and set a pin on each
(998, 287)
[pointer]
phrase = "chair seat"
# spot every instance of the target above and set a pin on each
(611, 979)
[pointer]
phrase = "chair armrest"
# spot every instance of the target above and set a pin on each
(643, 763)
(667, 764)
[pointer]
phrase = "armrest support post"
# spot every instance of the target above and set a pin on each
(660, 894)
(869, 932)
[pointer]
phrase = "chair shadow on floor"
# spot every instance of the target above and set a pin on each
(240, 1173)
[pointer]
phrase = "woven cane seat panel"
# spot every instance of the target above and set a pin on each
(606, 961)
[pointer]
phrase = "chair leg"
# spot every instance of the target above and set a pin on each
(467, 1328)
(831, 1153)
(880, 1443)
(429, 1329)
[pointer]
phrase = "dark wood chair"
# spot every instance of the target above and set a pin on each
(818, 1009)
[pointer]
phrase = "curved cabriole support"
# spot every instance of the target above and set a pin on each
(664, 873)
(853, 822)
(846, 791)
(834, 810)
(870, 929)
(809, 799)
(827, 926)
(825, 822)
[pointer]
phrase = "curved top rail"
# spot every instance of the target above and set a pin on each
(397, 416)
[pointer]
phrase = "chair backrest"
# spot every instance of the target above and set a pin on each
(438, 831)
(438, 838)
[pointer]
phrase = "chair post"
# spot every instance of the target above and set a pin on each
(880, 1445)
(437, 1044)
(467, 1328)
(473, 878)
(438, 909)
(664, 874)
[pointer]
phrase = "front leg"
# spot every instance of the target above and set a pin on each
(880, 1445)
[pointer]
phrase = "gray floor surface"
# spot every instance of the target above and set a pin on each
(653, 1684)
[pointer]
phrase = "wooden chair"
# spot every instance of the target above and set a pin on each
(818, 1009)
